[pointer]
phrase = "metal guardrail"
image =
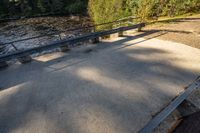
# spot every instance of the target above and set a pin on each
(66, 42)
(5, 44)
(72, 29)
(153, 123)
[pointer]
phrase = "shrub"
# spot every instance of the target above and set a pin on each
(179, 7)
(102, 11)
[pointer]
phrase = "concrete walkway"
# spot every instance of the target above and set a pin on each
(114, 87)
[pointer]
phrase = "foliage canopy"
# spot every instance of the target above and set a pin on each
(110, 10)
(101, 11)
(33, 7)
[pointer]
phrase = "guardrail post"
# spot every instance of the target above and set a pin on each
(25, 59)
(64, 48)
(121, 34)
(141, 26)
(94, 40)
(3, 64)
(115, 35)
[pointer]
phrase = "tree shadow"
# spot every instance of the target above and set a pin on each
(115, 89)
(77, 57)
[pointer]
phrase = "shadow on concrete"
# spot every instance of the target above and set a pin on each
(176, 20)
(113, 89)
(78, 57)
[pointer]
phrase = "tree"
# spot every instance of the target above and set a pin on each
(41, 7)
(32, 7)
(56, 6)
(100, 10)
(79, 6)
(3, 7)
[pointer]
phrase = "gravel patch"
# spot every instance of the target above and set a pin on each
(185, 30)
(29, 28)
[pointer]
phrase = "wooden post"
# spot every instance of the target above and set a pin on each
(25, 59)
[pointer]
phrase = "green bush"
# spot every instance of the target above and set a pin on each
(102, 11)
(179, 7)
(146, 9)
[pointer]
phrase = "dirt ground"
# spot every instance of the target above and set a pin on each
(190, 124)
(183, 30)
(32, 27)
(51, 23)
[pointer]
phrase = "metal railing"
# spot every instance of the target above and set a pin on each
(90, 27)
(73, 29)
(66, 42)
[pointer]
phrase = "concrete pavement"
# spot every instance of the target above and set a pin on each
(114, 87)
